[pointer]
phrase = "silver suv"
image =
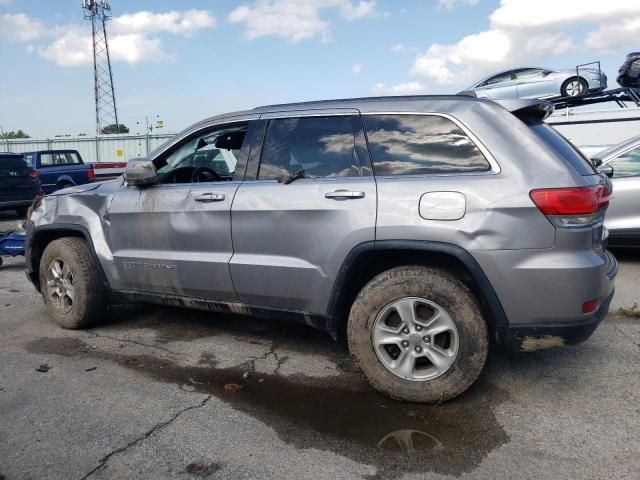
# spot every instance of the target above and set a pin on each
(419, 228)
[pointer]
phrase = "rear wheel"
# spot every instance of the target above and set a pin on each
(418, 335)
(574, 87)
(70, 283)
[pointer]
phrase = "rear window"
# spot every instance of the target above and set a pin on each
(564, 147)
(12, 161)
(53, 159)
(421, 144)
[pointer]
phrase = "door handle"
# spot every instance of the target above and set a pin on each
(210, 197)
(344, 195)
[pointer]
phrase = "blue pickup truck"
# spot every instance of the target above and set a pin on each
(65, 168)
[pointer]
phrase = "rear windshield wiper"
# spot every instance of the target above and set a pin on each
(292, 177)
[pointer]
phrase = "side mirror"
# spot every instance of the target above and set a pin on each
(606, 170)
(140, 172)
(546, 72)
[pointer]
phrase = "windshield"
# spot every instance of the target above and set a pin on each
(617, 149)
(564, 147)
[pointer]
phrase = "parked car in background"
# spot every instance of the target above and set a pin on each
(453, 221)
(19, 183)
(622, 163)
(65, 168)
(537, 82)
(629, 72)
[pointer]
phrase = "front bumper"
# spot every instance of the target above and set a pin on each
(527, 338)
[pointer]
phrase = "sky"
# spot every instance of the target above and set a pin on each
(182, 61)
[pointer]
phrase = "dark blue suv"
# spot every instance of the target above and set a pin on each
(19, 183)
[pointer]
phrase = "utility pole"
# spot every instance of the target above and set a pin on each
(99, 12)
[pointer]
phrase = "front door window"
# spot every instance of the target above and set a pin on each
(209, 157)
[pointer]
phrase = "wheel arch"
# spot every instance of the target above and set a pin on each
(64, 179)
(368, 259)
(40, 237)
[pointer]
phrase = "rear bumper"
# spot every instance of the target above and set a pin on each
(546, 334)
(528, 338)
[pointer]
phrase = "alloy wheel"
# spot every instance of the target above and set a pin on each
(415, 339)
(61, 289)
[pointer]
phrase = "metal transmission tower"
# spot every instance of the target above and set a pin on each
(99, 12)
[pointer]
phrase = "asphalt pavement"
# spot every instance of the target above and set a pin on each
(158, 392)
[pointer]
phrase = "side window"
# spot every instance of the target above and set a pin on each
(29, 158)
(502, 77)
(52, 160)
(211, 156)
(320, 146)
(72, 158)
(421, 144)
(528, 73)
(627, 164)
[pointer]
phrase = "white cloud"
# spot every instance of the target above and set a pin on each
(356, 68)
(295, 20)
(133, 37)
(408, 88)
(73, 48)
(401, 48)
(614, 35)
(19, 27)
(362, 9)
(547, 13)
(449, 4)
(522, 31)
(179, 23)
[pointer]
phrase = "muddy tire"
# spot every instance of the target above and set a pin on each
(418, 335)
(71, 285)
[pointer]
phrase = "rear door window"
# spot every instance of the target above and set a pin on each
(321, 146)
(421, 144)
(564, 147)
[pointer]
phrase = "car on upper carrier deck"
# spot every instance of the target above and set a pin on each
(419, 228)
(538, 82)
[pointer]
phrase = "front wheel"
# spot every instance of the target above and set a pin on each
(70, 283)
(574, 87)
(418, 335)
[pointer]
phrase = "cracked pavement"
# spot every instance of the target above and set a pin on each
(143, 396)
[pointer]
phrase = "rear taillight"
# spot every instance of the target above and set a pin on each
(591, 305)
(572, 206)
(34, 174)
(91, 175)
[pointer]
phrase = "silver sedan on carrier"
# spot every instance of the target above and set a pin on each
(536, 82)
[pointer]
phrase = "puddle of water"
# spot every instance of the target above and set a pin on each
(336, 414)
